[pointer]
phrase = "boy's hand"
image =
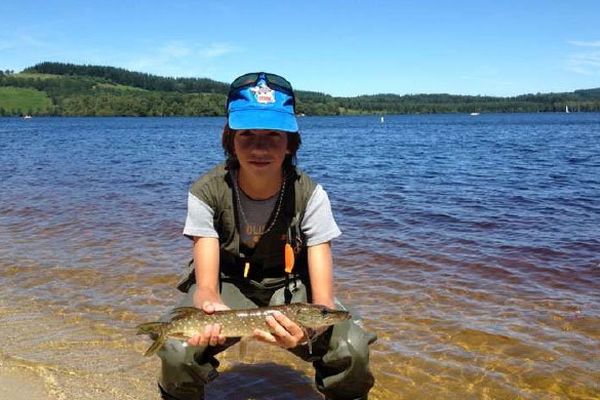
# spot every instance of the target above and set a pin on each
(212, 333)
(283, 332)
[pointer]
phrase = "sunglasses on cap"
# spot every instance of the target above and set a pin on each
(251, 79)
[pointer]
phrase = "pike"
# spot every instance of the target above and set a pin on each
(186, 322)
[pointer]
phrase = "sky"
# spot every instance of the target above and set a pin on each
(338, 47)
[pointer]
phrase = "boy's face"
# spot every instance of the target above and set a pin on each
(261, 151)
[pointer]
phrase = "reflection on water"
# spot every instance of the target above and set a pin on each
(470, 246)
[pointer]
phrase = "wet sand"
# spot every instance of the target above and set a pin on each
(20, 384)
(48, 354)
(52, 351)
(57, 355)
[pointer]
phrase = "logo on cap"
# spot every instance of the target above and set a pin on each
(263, 93)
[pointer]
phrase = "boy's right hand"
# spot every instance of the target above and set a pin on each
(212, 333)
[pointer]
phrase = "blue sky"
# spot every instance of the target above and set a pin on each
(343, 48)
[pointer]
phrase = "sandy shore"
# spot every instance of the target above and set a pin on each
(55, 356)
(20, 380)
(46, 354)
(21, 384)
(51, 353)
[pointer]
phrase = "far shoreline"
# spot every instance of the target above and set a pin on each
(378, 115)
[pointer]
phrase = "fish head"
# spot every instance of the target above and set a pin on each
(315, 315)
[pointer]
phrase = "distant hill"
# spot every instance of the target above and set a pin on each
(134, 79)
(51, 88)
(589, 93)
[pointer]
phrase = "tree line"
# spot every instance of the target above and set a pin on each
(100, 90)
(135, 79)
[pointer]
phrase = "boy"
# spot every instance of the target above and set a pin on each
(261, 230)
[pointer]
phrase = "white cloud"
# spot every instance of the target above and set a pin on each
(161, 56)
(585, 62)
(5, 45)
(215, 50)
(160, 59)
(28, 40)
(581, 43)
(175, 50)
(141, 64)
(488, 76)
(177, 58)
(19, 41)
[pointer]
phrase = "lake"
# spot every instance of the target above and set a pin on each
(471, 246)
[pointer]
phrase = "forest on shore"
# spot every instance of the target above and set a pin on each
(62, 89)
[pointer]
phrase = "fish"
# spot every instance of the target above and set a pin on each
(186, 322)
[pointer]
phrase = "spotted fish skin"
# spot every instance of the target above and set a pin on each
(186, 322)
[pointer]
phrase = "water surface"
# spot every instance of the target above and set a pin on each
(471, 247)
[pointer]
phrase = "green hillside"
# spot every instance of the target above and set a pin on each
(88, 90)
(22, 101)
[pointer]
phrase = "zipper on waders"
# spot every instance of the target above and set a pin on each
(246, 265)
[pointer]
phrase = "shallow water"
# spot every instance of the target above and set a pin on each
(471, 247)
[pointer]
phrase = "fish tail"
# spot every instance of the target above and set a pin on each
(156, 330)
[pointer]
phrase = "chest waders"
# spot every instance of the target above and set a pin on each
(260, 277)
(263, 268)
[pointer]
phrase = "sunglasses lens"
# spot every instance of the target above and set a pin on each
(279, 81)
(250, 79)
(244, 80)
(273, 81)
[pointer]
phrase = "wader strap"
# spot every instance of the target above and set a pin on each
(287, 293)
(188, 279)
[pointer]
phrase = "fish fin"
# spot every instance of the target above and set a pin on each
(244, 347)
(158, 343)
(150, 328)
(184, 312)
(310, 336)
(156, 330)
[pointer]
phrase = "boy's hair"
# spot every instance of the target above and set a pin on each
(232, 162)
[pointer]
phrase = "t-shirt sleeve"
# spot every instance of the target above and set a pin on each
(199, 220)
(318, 224)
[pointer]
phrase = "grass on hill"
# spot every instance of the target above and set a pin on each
(28, 75)
(23, 101)
(119, 87)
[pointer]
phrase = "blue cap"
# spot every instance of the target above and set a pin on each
(260, 106)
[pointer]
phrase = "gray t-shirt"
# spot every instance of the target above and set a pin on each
(254, 215)
(318, 224)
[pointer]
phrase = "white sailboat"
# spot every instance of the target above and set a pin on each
(567, 109)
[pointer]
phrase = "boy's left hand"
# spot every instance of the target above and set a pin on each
(283, 332)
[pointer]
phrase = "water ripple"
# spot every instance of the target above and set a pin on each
(470, 245)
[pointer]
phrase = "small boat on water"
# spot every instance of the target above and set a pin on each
(27, 117)
(567, 109)
(473, 114)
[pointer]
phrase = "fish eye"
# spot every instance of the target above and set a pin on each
(324, 312)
